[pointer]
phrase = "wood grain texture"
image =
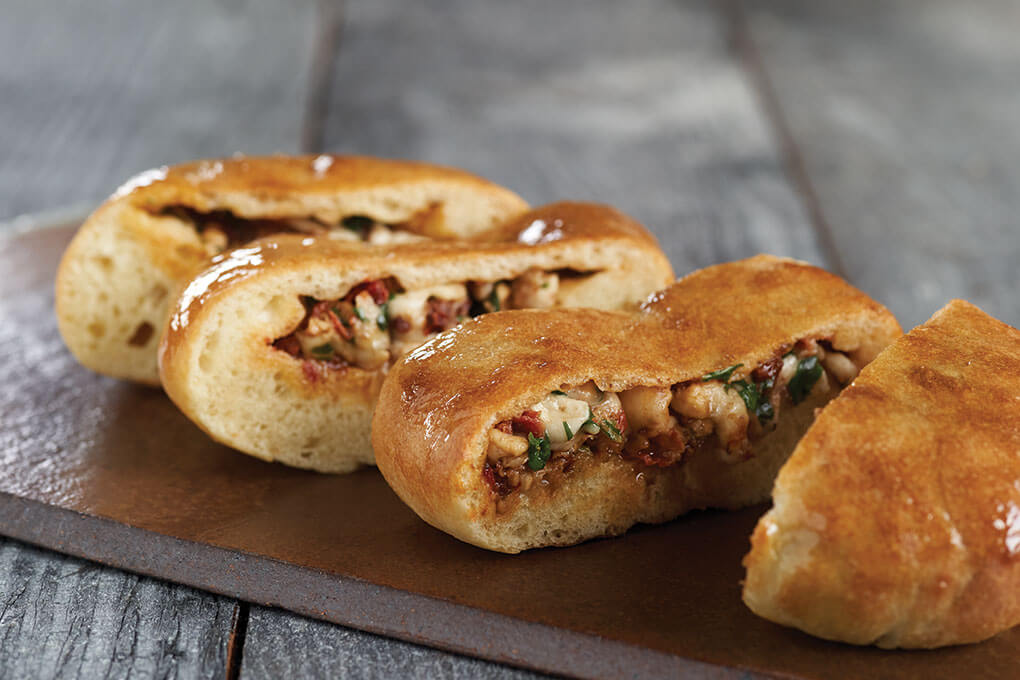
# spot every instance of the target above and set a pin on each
(280, 644)
(905, 115)
(639, 104)
(62, 617)
(95, 92)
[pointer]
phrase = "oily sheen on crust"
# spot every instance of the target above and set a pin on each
(438, 405)
(133, 255)
(895, 522)
(220, 365)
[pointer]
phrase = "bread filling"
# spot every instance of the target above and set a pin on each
(654, 428)
(221, 230)
(378, 321)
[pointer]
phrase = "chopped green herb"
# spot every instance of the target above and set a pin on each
(494, 300)
(723, 374)
(360, 314)
(567, 431)
(808, 373)
(754, 397)
(589, 425)
(358, 223)
(322, 351)
(560, 392)
(611, 431)
(539, 451)
(789, 354)
(748, 392)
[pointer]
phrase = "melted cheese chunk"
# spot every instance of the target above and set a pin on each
(370, 348)
(381, 235)
(648, 408)
(557, 409)
(841, 367)
(535, 289)
(723, 407)
(412, 304)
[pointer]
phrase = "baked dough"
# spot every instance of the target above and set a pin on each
(130, 259)
(896, 521)
(222, 359)
(433, 431)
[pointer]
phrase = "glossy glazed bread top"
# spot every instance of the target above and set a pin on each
(132, 256)
(219, 365)
(438, 405)
(897, 519)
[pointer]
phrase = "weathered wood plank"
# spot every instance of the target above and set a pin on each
(62, 617)
(94, 92)
(279, 644)
(639, 104)
(905, 115)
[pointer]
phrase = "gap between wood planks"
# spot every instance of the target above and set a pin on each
(235, 645)
(742, 43)
(329, 27)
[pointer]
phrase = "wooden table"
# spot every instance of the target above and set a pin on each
(879, 140)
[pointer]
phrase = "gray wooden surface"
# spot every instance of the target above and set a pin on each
(62, 617)
(877, 139)
(907, 118)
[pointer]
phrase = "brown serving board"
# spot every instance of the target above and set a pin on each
(113, 472)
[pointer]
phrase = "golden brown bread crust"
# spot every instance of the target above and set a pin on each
(897, 518)
(130, 259)
(218, 366)
(438, 404)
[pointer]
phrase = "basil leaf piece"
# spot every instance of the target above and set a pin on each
(748, 392)
(494, 300)
(358, 223)
(589, 426)
(754, 398)
(539, 451)
(323, 351)
(809, 370)
(560, 392)
(723, 374)
(611, 431)
(383, 321)
(566, 431)
(358, 313)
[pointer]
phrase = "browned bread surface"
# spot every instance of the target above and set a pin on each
(439, 403)
(218, 366)
(131, 257)
(896, 521)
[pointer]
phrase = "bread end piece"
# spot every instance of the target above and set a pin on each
(129, 260)
(895, 522)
